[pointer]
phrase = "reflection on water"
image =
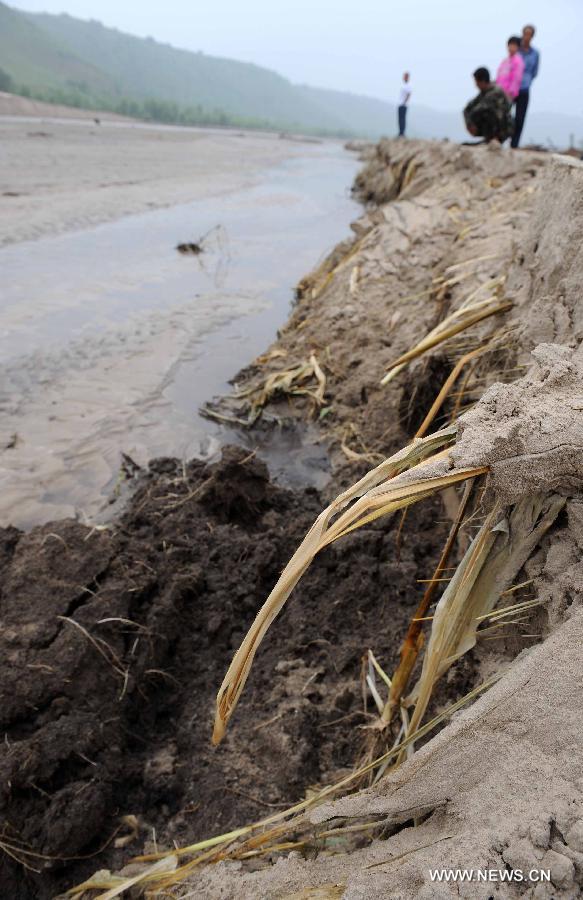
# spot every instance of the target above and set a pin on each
(110, 339)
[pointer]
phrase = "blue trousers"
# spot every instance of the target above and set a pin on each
(402, 112)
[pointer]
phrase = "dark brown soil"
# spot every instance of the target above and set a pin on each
(115, 641)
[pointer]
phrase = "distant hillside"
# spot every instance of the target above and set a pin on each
(64, 60)
(364, 115)
(143, 68)
(32, 57)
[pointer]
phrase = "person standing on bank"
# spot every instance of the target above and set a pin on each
(404, 97)
(511, 70)
(531, 59)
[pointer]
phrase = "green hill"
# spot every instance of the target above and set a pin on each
(365, 115)
(34, 58)
(82, 63)
(143, 68)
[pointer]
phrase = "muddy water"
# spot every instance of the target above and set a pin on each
(110, 339)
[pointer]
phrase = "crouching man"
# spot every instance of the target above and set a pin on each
(488, 115)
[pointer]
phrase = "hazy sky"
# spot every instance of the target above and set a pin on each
(364, 46)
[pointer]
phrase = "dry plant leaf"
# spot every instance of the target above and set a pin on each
(376, 494)
(453, 324)
(491, 563)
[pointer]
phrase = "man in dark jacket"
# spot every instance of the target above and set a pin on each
(489, 114)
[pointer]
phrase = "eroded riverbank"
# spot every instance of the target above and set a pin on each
(151, 608)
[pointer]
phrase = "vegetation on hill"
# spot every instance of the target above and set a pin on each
(64, 60)
(143, 69)
(34, 58)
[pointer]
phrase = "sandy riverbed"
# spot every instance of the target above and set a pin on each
(110, 340)
(59, 175)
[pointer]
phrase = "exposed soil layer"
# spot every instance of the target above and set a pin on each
(114, 642)
(500, 787)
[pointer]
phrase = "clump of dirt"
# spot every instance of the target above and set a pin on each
(115, 640)
(192, 249)
(545, 281)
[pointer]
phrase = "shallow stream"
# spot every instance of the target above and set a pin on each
(110, 339)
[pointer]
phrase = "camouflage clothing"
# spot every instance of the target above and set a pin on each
(490, 114)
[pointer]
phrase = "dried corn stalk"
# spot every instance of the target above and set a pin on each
(287, 381)
(502, 546)
(453, 324)
(415, 638)
(376, 494)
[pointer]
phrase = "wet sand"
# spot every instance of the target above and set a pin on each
(62, 175)
(110, 340)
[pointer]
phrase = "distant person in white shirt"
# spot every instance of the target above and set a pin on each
(404, 97)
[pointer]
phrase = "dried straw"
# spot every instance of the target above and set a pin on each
(376, 494)
(491, 563)
(453, 324)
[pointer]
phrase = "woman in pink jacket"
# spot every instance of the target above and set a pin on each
(511, 69)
